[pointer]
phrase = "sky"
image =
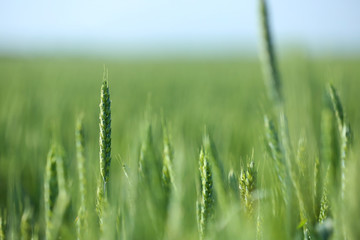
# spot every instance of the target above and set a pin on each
(174, 26)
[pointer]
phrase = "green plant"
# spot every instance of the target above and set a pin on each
(247, 185)
(271, 72)
(55, 194)
(105, 146)
(25, 226)
(206, 202)
(80, 159)
(167, 171)
(2, 234)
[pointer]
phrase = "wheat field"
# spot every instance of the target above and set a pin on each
(240, 148)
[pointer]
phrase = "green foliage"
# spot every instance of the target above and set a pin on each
(311, 193)
(138, 201)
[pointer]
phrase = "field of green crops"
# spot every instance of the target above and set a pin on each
(42, 98)
(180, 148)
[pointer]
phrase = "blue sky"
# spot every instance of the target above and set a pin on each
(147, 26)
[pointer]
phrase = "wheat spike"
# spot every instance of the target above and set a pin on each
(105, 147)
(207, 199)
(271, 73)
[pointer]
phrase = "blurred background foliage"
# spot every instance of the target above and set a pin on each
(40, 99)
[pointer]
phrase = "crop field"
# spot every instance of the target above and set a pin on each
(234, 148)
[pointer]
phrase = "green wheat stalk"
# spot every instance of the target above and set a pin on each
(2, 223)
(345, 140)
(328, 163)
(167, 172)
(337, 106)
(25, 224)
(105, 146)
(324, 202)
(218, 173)
(60, 207)
(35, 235)
(295, 174)
(51, 188)
(81, 223)
(280, 150)
(328, 139)
(259, 225)
(217, 165)
(345, 135)
(205, 205)
(151, 200)
(345, 143)
(271, 73)
(247, 184)
(105, 130)
(233, 182)
(55, 193)
(275, 151)
(101, 202)
(148, 164)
